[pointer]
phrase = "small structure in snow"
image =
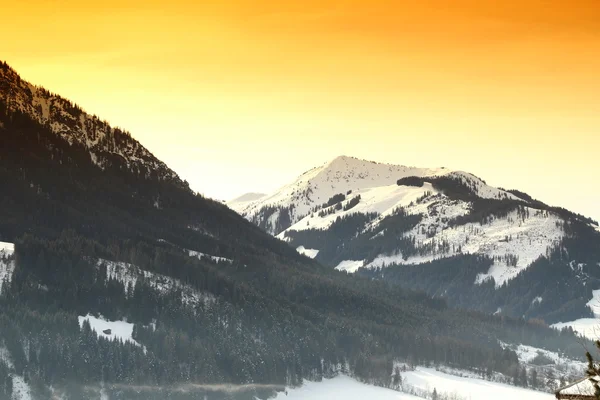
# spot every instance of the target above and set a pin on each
(582, 389)
(107, 331)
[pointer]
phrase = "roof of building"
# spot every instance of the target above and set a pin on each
(581, 389)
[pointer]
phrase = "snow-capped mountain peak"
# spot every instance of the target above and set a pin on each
(342, 176)
(352, 214)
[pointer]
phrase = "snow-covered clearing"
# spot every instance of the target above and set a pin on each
(119, 330)
(561, 365)
(7, 249)
(312, 253)
(423, 380)
(468, 388)
(587, 327)
(341, 388)
(350, 265)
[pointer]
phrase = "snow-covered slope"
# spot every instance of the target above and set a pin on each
(527, 239)
(422, 380)
(7, 264)
(341, 387)
(468, 388)
(112, 330)
(587, 327)
(239, 203)
(20, 388)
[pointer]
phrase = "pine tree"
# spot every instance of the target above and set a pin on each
(593, 371)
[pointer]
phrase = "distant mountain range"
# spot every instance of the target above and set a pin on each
(443, 231)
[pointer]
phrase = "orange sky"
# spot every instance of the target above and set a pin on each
(244, 95)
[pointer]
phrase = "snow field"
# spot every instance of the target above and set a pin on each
(119, 330)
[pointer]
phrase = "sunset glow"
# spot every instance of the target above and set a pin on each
(243, 95)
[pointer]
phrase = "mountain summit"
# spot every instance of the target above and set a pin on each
(343, 176)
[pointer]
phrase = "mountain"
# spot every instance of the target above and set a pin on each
(443, 231)
(245, 199)
(119, 282)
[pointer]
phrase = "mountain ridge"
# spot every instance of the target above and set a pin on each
(356, 215)
(72, 123)
(358, 174)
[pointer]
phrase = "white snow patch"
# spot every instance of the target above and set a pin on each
(5, 356)
(7, 268)
(382, 200)
(201, 256)
(594, 303)
(119, 330)
(312, 253)
(424, 380)
(587, 327)
(7, 265)
(537, 300)
(562, 365)
(239, 203)
(583, 387)
(341, 387)
(526, 354)
(350, 265)
(21, 389)
(6, 249)
(468, 388)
